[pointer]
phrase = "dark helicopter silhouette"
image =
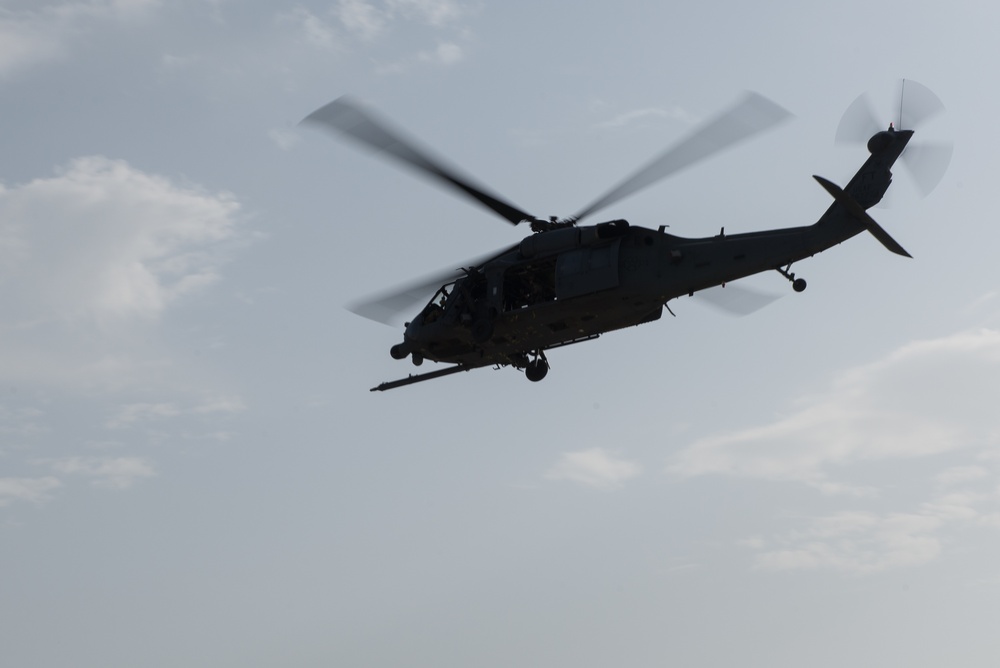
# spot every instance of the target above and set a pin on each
(568, 283)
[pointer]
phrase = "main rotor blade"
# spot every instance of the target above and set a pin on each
(735, 299)
(388, 307)
(346, 116)
(752, 114)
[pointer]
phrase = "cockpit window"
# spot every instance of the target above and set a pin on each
(436, 307)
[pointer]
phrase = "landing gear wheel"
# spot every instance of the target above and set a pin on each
(417, 359)
(798, 284)
(536, 370)
(482, 330)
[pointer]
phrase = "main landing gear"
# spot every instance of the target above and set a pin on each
(537, 368)
(798, 284)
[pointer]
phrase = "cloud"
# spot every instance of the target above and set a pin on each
(960, 474)
(927, 398)
(595, 467)
(854, 542)
(107, 472)
(444, 54)
(447, 53)
(48, 31)
(20, 422)
(388, 29)
(102, 239)
(361, 18)
(311, 29)
(220, 404)
(863, 542)
(133, 413)
(92, 251)
(927, 403)
(432, 12)
(34, 490)
(130, 415)
(284, 138)
(174, 62)
(636, 115)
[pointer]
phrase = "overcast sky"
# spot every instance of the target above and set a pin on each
(193, 472)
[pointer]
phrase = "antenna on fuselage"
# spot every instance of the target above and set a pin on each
(902, 89)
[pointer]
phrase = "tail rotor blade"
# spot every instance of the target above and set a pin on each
(858, 123)
(916, 104)
(927, 164)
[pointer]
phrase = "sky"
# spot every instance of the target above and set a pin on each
(194, 473)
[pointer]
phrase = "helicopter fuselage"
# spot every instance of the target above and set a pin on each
(573, 284)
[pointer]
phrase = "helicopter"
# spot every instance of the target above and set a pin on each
(568, 283)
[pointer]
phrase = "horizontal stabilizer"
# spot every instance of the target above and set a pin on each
(855, 210)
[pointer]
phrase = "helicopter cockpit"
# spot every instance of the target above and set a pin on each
(436, 307)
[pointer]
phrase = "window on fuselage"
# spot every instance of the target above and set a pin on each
(529, 283)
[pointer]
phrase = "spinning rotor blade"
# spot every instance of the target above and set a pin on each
(916, 104)
(751, 115)
(346, 116)
(858, 123)
(927, 164)
(735, 299)
(387, 307)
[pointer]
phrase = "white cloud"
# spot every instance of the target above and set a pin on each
(595, 467)
(389, 24)
(130, 415)
(34, 490)
(862, 542)
(92, 251)
(361, 18)
(49, 30)
(854, 542)
(636, 115)
(108, 472)
(312, 29)
(20, 422)
(447, 53)
(960, 474)
(284, 138)
(444, 54)
(220, 404)
(926, 398)
(102, 239)
(174, 62)
(433, 12)
(133, 413)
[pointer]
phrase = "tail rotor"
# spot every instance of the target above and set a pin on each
(916, 105)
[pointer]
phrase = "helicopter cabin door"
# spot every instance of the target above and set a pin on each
(586, 270)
